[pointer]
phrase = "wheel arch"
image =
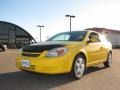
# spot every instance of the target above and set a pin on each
(110, 51)
(83, 54)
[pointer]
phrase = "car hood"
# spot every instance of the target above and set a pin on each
(62, 43)
(45, 46)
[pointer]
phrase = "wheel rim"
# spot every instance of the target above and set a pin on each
(79, 67)
(110, 59)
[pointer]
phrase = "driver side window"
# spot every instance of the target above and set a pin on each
(94, 37)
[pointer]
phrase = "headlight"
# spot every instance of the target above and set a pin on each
(57, 52)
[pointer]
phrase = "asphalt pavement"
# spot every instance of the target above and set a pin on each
(96, 77)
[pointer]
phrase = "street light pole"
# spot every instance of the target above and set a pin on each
(70, 23)
(70, 16)
(40, 30)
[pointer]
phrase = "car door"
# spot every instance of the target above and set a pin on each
(93, 48)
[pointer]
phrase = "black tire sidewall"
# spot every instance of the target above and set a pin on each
(107, 64)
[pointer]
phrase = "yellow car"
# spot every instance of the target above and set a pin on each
(68, 52)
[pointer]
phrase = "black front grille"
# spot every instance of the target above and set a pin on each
(30, 54)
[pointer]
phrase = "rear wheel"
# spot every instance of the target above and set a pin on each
(108, 63)
(78, 68)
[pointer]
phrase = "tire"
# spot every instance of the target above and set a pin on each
(78, 67)
(2, 49)
(108, 63)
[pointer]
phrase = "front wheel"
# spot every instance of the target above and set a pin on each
(108, 63)
(78, 68)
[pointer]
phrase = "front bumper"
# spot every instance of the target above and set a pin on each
(48, 65)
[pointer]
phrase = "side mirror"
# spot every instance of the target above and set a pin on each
(89, 42)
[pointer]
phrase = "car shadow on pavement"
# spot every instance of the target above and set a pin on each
(31, 81)
(94, 69)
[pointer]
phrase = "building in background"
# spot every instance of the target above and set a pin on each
(14, 36)
(112, 35)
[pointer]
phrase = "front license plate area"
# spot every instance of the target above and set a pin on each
(25, 63)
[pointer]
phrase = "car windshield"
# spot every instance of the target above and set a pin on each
(69, 36)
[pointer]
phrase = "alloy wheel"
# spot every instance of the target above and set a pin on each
(79, 67)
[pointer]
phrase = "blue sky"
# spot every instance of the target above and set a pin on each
(51, 13)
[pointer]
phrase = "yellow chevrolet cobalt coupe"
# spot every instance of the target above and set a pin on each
(67, 52)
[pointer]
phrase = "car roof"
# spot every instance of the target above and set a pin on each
(73, 31)
(79, 31)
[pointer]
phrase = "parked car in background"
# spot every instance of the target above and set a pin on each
(3, 47)
(67, 52)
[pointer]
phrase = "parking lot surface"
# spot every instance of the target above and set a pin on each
(96, 78)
